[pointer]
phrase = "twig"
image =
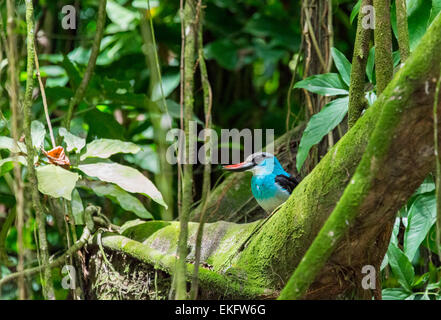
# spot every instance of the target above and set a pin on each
(43, 97)
(48, 289)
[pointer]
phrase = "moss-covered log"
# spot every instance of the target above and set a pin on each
(265, 265)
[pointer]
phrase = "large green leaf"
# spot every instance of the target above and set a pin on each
(72, 142)
(328, 84)
(118, 195)
(421, 217)
(37, 132)
(342, 64)
(319, 125)
(104, 148)
(394, 294)
(56, 181)
(401, 266)
(418, 12)
(8, 143)
(127, 178)
(120, 15)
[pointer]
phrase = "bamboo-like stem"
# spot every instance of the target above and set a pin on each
(18, 182)
(48, 290)
(383, 44)
(437, 167)
(163, 180)
(81, 90)
(43, 97)
(206, 183)
(187, 186)
(402, 29)
(357, 100)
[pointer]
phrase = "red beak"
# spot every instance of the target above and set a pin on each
(243, 166)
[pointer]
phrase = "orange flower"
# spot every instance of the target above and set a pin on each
(58, 157)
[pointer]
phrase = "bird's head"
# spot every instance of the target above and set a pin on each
(259, 163)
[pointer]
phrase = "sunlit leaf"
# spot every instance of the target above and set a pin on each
(8, 143)
(7, 164)
(127, 178)
(328, 84)
(37, 132)
(394, 294)
(56, 182)
(104, 148)
(72, 142)
(319, 125)
(118, 195)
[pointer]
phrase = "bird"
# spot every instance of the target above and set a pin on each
(271, 185)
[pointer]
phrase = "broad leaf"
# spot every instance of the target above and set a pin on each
(342, 64)
(37, 132)
(395, 294)
(328, 84)
(418, 12)
(8, 143)
(56, 181)
(127, 178)
(319, 125)
(421, 217)
(104, 148)
(72, 142)
(401, 266)
(355, 11)
(123, 198)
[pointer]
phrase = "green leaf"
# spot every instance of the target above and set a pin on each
(7, 164)
(418, 13)
(120, 15)
(395, 294)
(147, 159)
(123, 198)
(355, 11)
(421, 217)
(319, 125)
(401, 266)
(77, 208)
(127, 178)
(427, 186)
(72, 142)
(342, 64)
(328, 84)
(170, 81)
(37, 132)
(56, 181)
(8, 143)
(104, 148)
(370, 66)
(224, 51)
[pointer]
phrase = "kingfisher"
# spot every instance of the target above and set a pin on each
(271, 185)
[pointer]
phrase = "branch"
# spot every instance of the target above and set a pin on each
(56, 263)
(81, 90)
(383, 45)
(48, 289)
(397, 101)
(357, 100)
(402, 29)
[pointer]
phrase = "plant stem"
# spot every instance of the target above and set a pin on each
(206, 183)
(81, 90)
(187, 186)
(402, 29)
(437, 167)
(11, 53)
(357, 100)
(383, 44)
(48, 290)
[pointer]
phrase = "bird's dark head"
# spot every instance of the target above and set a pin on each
(254, 162)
